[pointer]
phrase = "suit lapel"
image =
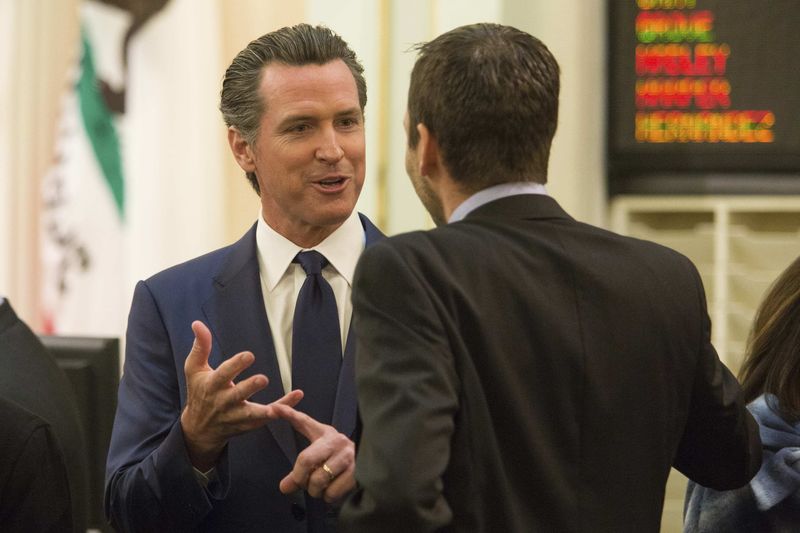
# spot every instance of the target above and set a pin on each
(345, 408)
(238, 321)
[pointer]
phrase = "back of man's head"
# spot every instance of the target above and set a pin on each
(240, 100)
(489, 95)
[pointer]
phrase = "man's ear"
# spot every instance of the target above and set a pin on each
(241, 150)
(427, 152)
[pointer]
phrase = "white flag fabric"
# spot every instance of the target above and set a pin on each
(137, 183)
(175, 145)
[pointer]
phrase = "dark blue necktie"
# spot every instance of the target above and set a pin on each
(316, 341)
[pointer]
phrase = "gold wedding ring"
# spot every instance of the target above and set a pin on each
(327, 469)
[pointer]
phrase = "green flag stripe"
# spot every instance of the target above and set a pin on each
(99, 126)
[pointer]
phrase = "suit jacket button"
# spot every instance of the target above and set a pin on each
(298, 512)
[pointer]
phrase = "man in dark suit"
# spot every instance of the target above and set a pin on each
(43, 470)
(197, 443)
(518, 370)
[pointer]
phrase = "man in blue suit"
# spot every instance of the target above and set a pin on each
(198, 443)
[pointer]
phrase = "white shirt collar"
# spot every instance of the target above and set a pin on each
(341, 248)
(495, 192)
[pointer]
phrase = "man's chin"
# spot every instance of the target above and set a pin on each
(334, 219)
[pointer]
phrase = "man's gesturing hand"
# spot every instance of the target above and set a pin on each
(326, 467)
(216, 407)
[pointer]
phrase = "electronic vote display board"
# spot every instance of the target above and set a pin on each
(704, 96)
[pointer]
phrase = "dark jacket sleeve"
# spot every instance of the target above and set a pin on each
(720, 447)
(407, 395)
(150, 482)
(34, 488)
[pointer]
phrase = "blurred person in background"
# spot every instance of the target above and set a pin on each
(770, 377)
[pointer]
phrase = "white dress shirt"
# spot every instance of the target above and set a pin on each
(281, 281)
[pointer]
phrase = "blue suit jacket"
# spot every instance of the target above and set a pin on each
(150, 483)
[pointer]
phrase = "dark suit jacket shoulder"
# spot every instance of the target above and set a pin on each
(521, 371)
(31, 378)
(34, 488)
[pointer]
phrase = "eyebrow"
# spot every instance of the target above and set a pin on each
(353, 111)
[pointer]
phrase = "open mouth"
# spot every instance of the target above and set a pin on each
(332, 182)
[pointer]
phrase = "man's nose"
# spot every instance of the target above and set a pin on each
(330, 149)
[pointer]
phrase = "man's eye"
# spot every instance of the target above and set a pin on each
(299, 128)
(348, 122)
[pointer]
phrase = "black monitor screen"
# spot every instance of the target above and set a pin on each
(702, 88)
(92, 366)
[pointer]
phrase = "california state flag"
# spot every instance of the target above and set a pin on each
(138, 177)
(83, 212)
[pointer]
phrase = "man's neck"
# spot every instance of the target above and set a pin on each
(451, 195)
